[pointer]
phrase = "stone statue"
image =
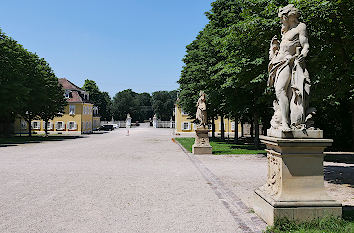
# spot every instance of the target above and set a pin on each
(201, 114)
(288, 74)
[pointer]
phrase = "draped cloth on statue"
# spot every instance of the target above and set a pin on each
(300, 85)
(201, 114)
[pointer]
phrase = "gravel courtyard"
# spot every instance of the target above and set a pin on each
(139, 183)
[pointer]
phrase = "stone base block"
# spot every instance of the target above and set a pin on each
(200, 150)
(306, 133)
(270, 211)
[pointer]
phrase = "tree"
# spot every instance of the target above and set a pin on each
(123, 103)
(100, 99)
(28, 86)
(12, 80)
(55, 101)
(163, 103)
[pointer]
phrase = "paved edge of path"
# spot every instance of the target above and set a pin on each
(244, 217)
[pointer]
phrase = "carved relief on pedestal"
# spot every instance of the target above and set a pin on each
(273, 184)
(202, 139)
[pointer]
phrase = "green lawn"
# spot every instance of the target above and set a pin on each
(8, 141)
(324, 225)
(220, 147)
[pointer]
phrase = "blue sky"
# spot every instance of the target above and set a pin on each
(135, 44)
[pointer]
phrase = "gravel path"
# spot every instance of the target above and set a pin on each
(139, 183)
(107, 183)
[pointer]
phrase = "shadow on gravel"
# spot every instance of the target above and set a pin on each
(14, 141)
(339, 175)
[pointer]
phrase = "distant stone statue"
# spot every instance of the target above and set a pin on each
(201, 114)
(128, 121)
(288, 74)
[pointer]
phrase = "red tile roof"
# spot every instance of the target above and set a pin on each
(75, 97)
(67, 85)
(75, 91)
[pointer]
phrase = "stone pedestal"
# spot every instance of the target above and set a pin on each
(295, 182)
(201, 144)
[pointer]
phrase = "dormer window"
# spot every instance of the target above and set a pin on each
(67, 94)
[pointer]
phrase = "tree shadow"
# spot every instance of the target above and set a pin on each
(339, 175)
(18, 140)
(339, 158)
(348, 212)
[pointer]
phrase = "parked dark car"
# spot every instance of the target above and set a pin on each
(137, 123)
(107, 127)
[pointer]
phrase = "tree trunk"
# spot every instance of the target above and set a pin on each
(252, 128)
(46, 128)
(352, 125)
(212, 128)
(242, 131)
(236, 130)
(29, 127)
(256, 131)
(222, 128)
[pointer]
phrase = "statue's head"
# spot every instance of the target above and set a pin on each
(201, 93)
(288, 13)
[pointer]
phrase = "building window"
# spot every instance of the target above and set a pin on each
(233, 126)
(186, 125)
(71, 125)
(50, 125)
(95, 110)
(71, 109)
(36, 124)
(59, 125)
(67, 94)
(224, 126)
(23, 124)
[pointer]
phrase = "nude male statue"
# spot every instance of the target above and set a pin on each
(287, 72)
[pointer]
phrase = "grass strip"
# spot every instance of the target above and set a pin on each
(222, 147)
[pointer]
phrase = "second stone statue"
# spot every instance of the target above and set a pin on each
(201, 144)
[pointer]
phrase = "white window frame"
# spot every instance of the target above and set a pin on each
(63, 125)
(233, 126)
(67, 94)
(210, 126)
(69, 125)
(183, 124)
(38, 123)
(72, 109)
(23, 124)
(224, 126)
(50, 126)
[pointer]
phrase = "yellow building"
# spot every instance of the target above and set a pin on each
(78, 116)
(184, 123)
